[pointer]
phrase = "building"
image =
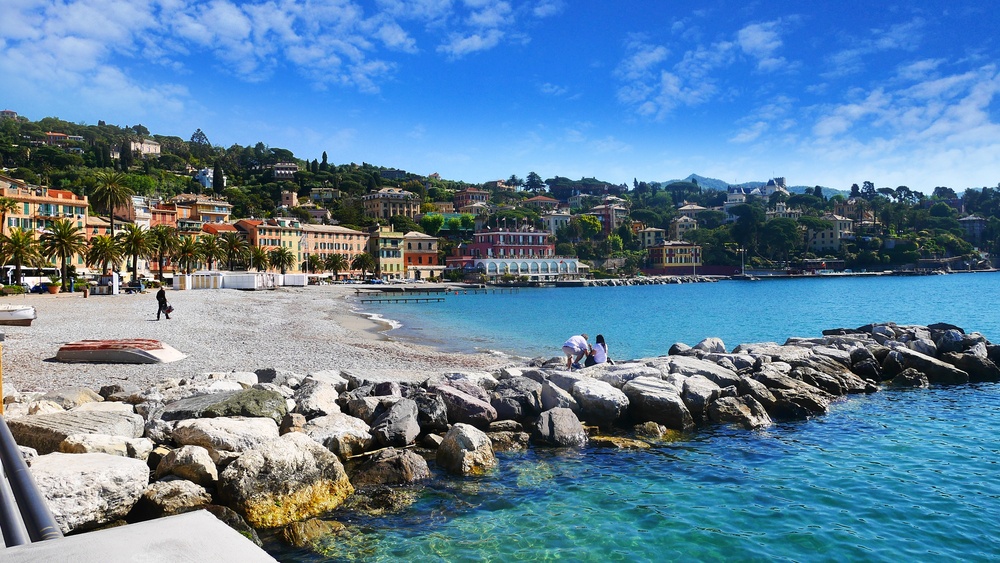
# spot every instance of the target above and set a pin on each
(327, 240)
(611, 215)
(673, 257)
(390, 202)
(444, 207)
(541, 203)
(54, 139)
(478, 208)
(393, 174)
(289, 199)
(829, 240)
(782, 211)
(163, 214)
(691, 210)
(38, 207)
(138, 210)
(323, 196)
(498, 185)
(284, 171)
(522, 253)
(855, 209)
(681, 226)
(556, 219)
(974, 226)
(652, 236)
(8, 114)
(271, 234)
(421, 256)
(202, 208)
(386, 246)
(145, 148)
(468, 196)
(206, 177)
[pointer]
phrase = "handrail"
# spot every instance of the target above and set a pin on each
(35, 517)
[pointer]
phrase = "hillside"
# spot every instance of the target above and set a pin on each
(721, 185)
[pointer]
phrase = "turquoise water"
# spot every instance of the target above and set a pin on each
(643, 321)
(900, 475)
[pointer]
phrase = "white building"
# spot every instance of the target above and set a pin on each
(555, 219)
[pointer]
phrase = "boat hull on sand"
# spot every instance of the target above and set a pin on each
(17, 315)
(126, 351)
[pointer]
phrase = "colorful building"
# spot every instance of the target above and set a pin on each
(386, 246)
(421, 256)
(673, 257)
(326, 240)
(390, 202)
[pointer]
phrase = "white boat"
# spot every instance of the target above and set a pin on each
(17, 315)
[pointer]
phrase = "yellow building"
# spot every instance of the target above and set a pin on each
(39, 206)
(674, 257)
(270, 234)
(326, 240)
(389, 202)
(386, 246)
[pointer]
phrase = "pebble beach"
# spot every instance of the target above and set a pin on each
(297, 329)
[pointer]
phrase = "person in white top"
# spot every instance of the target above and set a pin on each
(576, 346)
(598, 352)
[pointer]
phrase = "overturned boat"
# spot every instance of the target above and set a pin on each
(17, 315)
(123, 351)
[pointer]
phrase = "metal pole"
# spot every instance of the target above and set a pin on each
(35, 512)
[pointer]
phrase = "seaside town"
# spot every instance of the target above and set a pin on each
(288, 439)
(92, 206)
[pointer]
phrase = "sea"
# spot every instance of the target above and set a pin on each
(899, 475)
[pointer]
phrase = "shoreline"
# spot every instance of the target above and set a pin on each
(296, 329)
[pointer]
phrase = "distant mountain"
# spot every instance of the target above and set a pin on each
(716, 184)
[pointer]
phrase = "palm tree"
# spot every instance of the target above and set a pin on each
(335, 263)
(258, 258)
(235, 248)
(187, 254)
(20, 247)
(314, 263)
(104, 251)
(281, 258)
(7, 205)
(210, 249)
(162, 243)
(63, 239)
(134, 242)
(364, 262)
(111, 193)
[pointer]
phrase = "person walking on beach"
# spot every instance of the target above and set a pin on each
(161, 304)
(576, 346)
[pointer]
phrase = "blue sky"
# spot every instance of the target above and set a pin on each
(897, 94)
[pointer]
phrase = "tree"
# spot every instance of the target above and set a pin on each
(515, 182)
(534, 183)
(218, 177)
(163, 242)
(125, 154)
(21, 248)
(7, 205)
(431, 223)
(313, 263)
(335, 263)
(63, 239)
(590, 226)
(258, 258)
(235, 248)
(324, 166)
(364, 262)
(111, 193)
(104, 251)
(134, 243)
(210, 249)
(187, 254)
(281, 258)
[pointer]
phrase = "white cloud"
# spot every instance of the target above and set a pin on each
(550, 89)
(548, 8)
(461, 45)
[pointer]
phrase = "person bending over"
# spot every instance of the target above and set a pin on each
(575, 349)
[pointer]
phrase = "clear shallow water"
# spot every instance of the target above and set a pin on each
(900, 475)
(643, 321)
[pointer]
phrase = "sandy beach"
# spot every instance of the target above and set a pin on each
(297, 329)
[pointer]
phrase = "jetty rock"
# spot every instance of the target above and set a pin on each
(466, 450)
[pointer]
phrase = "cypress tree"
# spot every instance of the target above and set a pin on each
(218, 178)
(324, 166)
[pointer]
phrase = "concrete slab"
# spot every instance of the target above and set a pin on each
(193, 536)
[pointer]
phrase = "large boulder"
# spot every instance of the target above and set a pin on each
(284, 480)
(71, 397)
(398, 425)
(316, 397)
(600, 403)
(84, 491)
(137, 448)
(698, 393)
(245, 402)
(980, 369)
(554, 396)
(225, 434)
(712, 345)
(619, 374)
(390, 467)
(937, 372)
(743, 410)
(432, 412)
(164, 498)
(340, 433)
(192, 463)
(465, 408)
(45, 432)
(466, 450)
(688, 366)
(559, 427)
(517, 398)
(654, 400)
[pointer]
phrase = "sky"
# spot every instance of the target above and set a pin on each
(821, 93)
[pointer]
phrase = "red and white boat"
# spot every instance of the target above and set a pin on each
(17, 315)
(124, 351)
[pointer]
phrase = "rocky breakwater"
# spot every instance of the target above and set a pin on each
(277, 450)
(651, 280)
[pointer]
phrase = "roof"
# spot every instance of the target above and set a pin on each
(330, 229)
(418, 234)
(216, 228)
(541, 199)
